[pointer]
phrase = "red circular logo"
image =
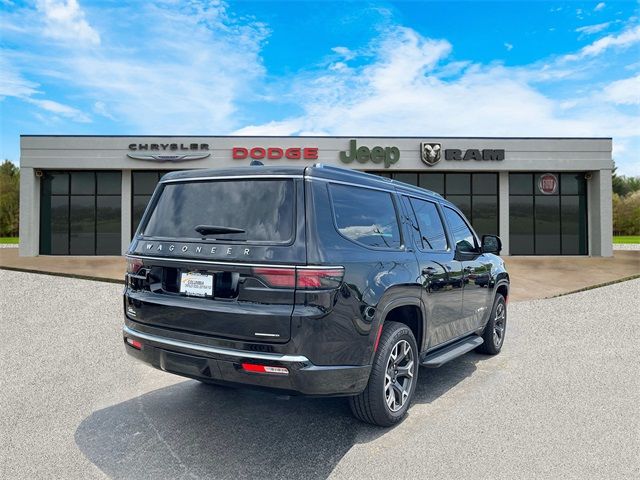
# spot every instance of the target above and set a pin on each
(548, 184)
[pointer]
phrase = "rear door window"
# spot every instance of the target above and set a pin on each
(365, 216)
(263, 209)
(430, 225)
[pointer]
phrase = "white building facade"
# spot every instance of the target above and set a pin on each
(84, 195)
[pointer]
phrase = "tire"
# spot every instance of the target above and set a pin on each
(494, 331)
(380, 403)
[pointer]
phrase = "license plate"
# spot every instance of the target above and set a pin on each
(196, 284)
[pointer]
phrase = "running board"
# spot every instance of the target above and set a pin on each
(442, 356)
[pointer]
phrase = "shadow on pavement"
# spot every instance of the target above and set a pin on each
(193, 430)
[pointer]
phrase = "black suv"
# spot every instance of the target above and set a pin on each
(314, 281)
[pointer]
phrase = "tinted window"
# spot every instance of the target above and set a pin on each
(432, 181)
(458, 183)
(365, 216)
(460, 232)
(430, 223)
(262, 208)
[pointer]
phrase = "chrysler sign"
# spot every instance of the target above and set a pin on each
(178, 151)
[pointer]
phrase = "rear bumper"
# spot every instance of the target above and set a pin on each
(222, 365)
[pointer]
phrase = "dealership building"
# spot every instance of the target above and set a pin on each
(84, 195)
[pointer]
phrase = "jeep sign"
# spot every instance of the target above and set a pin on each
(387, 155)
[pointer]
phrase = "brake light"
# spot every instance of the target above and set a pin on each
(134, 265)
(277, 277)
(302, 278)
(256, 368)
(319, 277)
(134, 343)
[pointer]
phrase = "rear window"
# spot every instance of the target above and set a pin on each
(264, 209)
(365, 216)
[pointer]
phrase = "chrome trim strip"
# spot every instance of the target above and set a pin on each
(235, 264)
(217, 350)
(230, 177)
(391, 189)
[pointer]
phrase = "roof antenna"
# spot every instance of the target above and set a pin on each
(256, 163)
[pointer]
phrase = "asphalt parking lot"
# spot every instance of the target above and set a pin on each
(561, 401)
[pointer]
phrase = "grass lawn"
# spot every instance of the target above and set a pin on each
(9, 240)
(627, 239)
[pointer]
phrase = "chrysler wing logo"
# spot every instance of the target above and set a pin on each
(430, 153)
(181, 157)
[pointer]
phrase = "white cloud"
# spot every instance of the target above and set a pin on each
(628, 37)
(508, 46)
(591, 29)
(599, 6)
(344, 52)
(60, 109)
(402, 93)
(12, 84)
(187, 76)
(65, 20)
(626, 91)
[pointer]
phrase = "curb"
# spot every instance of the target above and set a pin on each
(66, 275)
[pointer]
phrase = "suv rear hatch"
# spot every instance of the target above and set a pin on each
(213, 256)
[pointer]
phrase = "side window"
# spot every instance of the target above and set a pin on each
(431, 228)
(365, 216)
(462, 235)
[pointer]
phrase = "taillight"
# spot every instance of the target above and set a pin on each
(277, 277)
(319, 277)
(256, 368)
(134, 265)
(134, 343)
(302, 278)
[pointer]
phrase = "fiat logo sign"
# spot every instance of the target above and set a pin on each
(548, 184)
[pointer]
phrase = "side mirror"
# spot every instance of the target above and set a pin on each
(491, 244)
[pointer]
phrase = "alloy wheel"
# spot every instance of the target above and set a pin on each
(398, 379)
(499, 324)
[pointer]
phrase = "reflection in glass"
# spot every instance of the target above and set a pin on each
(463, 202)
(365, 216)
(430, 225)
(458, 183)
(139, 204)
(83, 183)
(262, 208)
(465, 241)
(484, 213)
(144, 183)
(82, 225)
(410, 178)
(520, 184)
(108, 225)
(109, 183)
(485, 183)
(432, 181)
(521, 225)
(59, 226)
(547, 225)
(573, 210)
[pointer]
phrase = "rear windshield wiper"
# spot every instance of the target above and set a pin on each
(213, 229)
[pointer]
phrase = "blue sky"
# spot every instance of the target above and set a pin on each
(322, 68)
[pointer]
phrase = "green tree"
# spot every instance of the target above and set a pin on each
(623, 185)
(9, 199)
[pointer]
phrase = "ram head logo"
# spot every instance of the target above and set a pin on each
(430, 153)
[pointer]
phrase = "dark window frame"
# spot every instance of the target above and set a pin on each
(476, 239)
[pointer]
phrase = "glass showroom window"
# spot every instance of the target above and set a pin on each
(550, 222)
(143, 183)
(475, 194)
(80, 213)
